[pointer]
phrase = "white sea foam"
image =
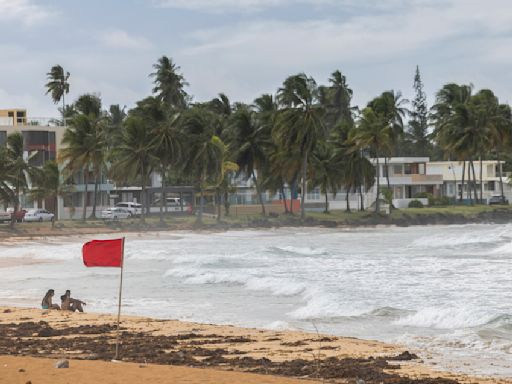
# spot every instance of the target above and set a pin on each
(278, 286)
(278, 326)
(466, 236)
(305, 251)
(447, 318)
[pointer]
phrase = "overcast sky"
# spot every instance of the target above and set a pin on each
(248, 47)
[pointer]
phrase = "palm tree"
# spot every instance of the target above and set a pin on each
(84, 150)
(57, 86)
(336, 100)
(454, 130)
(50, 186)
(299, 124)
(22, 172)
(113, 127)
(169, 83)
(6, 180)
(168, 148)
(375, 136)
(326, 171)
(389, 107)
(205, 152)
(502, 137)
(248, 137)
(135, 157)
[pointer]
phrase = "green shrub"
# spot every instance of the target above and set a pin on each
(415, 204)
(423, 195)
(439, 201)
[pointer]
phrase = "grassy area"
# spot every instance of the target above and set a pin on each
(408, 216)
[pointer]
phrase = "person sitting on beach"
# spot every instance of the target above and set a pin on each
(70, 304)
(47, 300)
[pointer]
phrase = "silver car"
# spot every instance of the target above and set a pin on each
(38, 215)
(115, 213)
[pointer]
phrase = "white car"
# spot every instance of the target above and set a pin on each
(5, 217)
(134, 208)
(38, 215)
(115, 213)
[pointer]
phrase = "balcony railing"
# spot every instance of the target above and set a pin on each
(31, 120)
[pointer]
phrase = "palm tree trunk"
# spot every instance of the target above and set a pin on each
(63, 110)
(16, 204)
(162, 197)
(293, 190)
(386, 167)
(258, 191)
(56, 205)
(361, 198)
(469, 192)
(377, 200)
(284, 199)
(94, 199)
(481, 182)
(474, 182)
(86, 182)
(201, 204)
(143, 196)
(501, 178)
(462, 181)
(219, 205)
(226, 203)
(348, 200)
(304, 179)
(326, 202)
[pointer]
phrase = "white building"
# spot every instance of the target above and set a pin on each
(451, 172)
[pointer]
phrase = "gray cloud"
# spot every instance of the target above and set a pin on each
(25, 12)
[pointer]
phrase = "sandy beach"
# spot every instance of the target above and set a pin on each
(174, 351)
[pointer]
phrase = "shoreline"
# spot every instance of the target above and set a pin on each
(336, 220)
(44, 232)
(284, 355)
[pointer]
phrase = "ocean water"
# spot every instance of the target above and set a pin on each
(443, 291)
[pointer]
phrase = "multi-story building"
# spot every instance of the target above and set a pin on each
(42, 142)
(411, 177)
(408, 179)
(13, 117)
(451, 172)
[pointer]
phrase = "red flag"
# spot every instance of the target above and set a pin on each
(103, 253)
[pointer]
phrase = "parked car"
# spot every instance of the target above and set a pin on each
(498, 200)
(5, 217)
(115, 213)
(38, 215)
(19, 214)
(135, 209)
(173, 204)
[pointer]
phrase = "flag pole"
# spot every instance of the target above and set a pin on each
(119, 304)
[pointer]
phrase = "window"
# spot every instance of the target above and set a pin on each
(491, 186)
(314, 194)
(385, 171)
(397, 170)
(407, 169)
(421, 169)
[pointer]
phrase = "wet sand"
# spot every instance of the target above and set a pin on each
(10, 262)
(197, 353)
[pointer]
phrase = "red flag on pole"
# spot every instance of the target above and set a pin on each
(103, 253)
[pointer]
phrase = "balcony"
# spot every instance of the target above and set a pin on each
(427, 179)
(31, 121)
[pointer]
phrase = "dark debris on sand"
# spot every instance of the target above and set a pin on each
(40, 339)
